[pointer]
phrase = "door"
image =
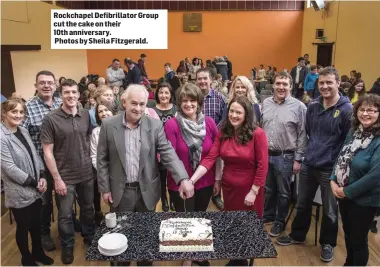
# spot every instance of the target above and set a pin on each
(7, 81)
(324, 54)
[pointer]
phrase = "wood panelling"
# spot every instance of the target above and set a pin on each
(174, 5)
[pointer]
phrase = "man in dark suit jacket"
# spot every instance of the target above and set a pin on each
(298, 74)
(134, 74)
(141, 64)
(229, 67)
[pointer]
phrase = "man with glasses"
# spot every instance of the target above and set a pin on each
(37, 108)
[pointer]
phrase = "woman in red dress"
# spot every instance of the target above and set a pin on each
(243, 147)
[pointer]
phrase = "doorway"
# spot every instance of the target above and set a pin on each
(7, 81)
(324, 54)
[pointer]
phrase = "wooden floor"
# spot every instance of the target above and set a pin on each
(294, 255)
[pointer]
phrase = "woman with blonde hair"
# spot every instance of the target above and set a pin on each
(241, 86)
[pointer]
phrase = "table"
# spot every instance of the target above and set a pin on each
(237, 235)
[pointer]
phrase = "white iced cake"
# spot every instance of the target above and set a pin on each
(186, 235)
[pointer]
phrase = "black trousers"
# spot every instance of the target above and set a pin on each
(199, 202)
(310, 179)
(47, 204)
(356, 223)
(163, 174)
(27, 220)
(97, 196)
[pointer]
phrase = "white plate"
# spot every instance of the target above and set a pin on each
(114, 253)
(112, 242)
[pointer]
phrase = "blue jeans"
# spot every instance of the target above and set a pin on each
(278, 187)
(85, 192)
(310, 179)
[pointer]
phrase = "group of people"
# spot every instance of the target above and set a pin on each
(197, 147)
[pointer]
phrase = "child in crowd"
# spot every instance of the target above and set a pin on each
(309, 83)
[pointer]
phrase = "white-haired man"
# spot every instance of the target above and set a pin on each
(128, 175)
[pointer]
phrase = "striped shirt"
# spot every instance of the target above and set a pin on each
(132, 151)
(36, 109)
(214, 105)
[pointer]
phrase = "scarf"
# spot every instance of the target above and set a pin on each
(360, 140)
(193, 133)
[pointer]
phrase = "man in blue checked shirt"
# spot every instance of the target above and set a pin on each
(37, 107)
(214, 105)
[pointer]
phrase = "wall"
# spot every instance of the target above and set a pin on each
(353, 25)
(28, 23)
(249, 38)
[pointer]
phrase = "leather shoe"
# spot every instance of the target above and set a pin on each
(218, 202)
(165, 205)
(43, 258)
(28, 261)
(47, 243)
(67, 256)
(172, 208)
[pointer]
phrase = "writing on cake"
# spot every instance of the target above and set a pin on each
(186, 234)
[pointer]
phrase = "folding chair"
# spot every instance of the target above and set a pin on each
(317, 202)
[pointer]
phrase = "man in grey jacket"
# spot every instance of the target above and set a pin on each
(115, 74)
(128, 174)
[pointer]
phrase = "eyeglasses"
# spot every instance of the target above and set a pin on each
(369, 111)
(106, 95)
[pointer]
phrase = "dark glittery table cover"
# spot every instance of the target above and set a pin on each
(237, 235)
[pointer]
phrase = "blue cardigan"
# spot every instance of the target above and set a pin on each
(364, 179)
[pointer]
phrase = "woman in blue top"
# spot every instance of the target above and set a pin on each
(356, 179)
(241, 86)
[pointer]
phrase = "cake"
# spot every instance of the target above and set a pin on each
(186, 235)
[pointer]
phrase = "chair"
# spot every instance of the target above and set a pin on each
(265, 94)
(269, 87)
(317, 202)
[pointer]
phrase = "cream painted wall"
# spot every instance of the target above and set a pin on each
(354, 26)
(28, 23)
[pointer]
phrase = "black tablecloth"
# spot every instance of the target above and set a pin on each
(237, 235)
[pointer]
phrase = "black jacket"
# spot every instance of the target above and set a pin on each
(134, 75)
(229, 66)
(303, 73)
(375, 89)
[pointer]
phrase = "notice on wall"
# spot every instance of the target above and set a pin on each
(109, 29)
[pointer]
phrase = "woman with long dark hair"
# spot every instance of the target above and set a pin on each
(357, 91)
(243, 147)
(102, 110)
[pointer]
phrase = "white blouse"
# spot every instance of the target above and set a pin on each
(94, 145)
